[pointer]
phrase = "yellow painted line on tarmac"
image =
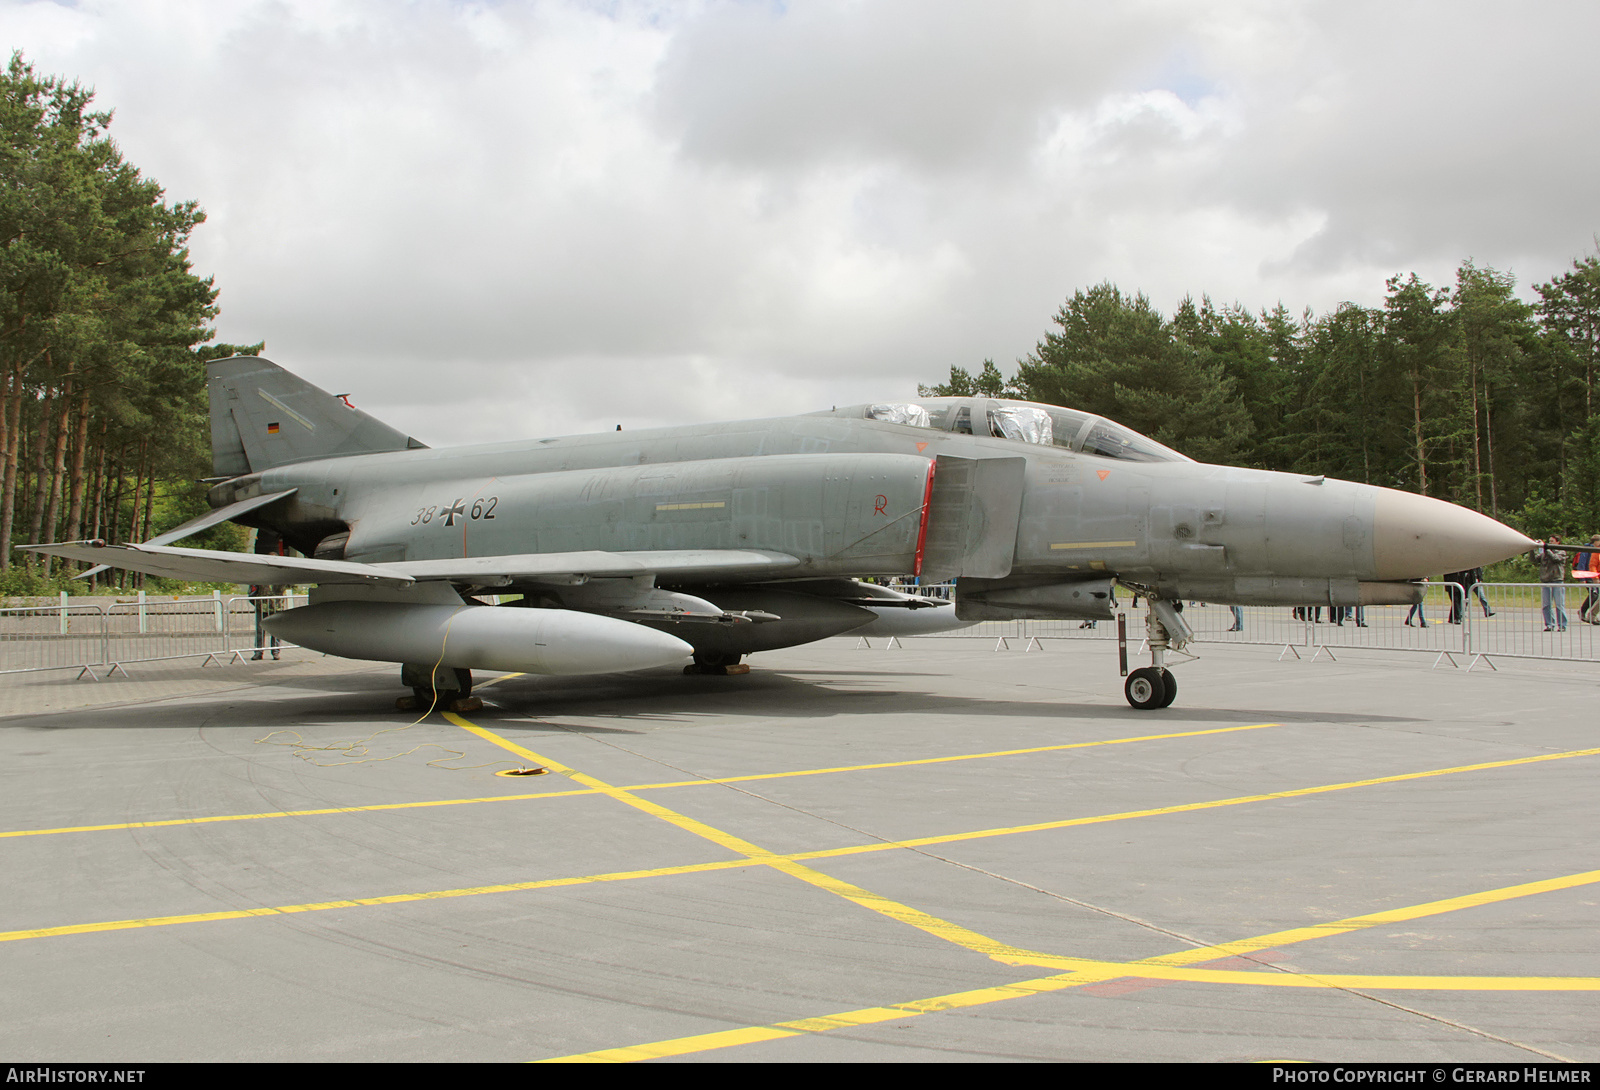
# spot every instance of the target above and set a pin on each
(796, 858)
(1183, 808)
(1373, 919)
(866, 1016)
(1367, 982)
(1089, 971)
(161, 822)
(366, 902)
(883, 906)
(952, 759)
(681, 1046)
(476, 685)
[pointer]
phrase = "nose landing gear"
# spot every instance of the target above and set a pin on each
(1154, 686)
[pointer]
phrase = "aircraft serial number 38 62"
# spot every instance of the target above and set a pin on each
(633, 550)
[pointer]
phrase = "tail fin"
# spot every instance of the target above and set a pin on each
(262, 416)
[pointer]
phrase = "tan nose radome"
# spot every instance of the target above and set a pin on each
(1415, 536)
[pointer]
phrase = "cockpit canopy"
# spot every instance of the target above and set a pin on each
(1022, 421)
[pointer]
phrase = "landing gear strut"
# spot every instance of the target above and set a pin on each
(716, 662)
(1154, 686)
(431, 687)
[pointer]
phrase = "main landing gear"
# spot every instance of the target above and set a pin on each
(717, 662)
(1154, 686)
(444, 688)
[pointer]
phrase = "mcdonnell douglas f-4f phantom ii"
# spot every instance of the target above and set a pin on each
(639, 549)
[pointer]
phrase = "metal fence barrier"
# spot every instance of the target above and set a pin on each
(94, 636)
(1530, 620)
(1459, 627)
(62, 637)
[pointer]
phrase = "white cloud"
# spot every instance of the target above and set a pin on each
(496, 220)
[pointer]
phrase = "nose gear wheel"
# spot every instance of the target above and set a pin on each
(1147, 688)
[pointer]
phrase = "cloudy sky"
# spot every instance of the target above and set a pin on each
(505, 219)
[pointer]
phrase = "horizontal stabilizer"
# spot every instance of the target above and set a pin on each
(221, 514)
(204, 522)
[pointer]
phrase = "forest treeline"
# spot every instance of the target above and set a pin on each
(103, 331)
(1464, 392)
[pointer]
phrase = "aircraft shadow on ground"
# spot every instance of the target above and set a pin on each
(655, 698)
(650, 699)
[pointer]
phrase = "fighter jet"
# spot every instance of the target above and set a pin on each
(632, 550)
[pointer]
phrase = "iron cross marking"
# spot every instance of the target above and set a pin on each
(450, 513)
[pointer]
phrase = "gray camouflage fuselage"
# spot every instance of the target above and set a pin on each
(845, 496)
(631, 550)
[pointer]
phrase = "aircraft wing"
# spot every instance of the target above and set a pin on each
(213, 566)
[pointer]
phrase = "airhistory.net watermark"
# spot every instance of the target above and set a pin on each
(72, 1073)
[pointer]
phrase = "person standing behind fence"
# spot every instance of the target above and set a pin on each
(1416, 610)
(1455, 587)
(1586, 569)
(1475, 582)
(267, 600)
(1553, 574)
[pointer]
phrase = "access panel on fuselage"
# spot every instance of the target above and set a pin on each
(972, 517)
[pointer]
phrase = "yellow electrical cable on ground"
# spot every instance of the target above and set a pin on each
(357, 750)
